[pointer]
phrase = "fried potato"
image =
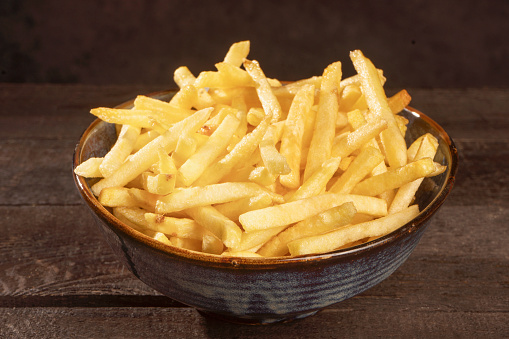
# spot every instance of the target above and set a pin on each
(393, 141)
(395, 178)
(320, 148)
(189, 197)
(332, 240)
(316, 224)
(196, 164)
(145, 157)
(292, 138)
(90, 168)
(222, 227)
(238, 164)
(359, 168)
(298, 210)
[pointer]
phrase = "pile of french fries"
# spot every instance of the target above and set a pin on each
(239, 164)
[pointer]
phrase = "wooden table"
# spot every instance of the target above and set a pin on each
(58, 278)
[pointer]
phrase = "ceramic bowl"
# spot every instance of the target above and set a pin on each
(266, 290)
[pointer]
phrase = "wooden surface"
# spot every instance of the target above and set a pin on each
(58, 278)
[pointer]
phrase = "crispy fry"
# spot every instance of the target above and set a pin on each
(395, 178)
(90, 168)
(393, 141)
(222, 227)
(295, 211)
(332, 240)
(238, 164)
(320, 148)
(145, 157)
(293, 133)
(317, 224)
(399, 101)
(196, 164)
(237, 53)
(269, 101)
(360, 167)
(120, 150)
(208, 195)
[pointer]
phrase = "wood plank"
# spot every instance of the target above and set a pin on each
(397, 322)
(58, 112)
(466, 113)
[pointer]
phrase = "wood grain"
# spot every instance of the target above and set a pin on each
(58, 278)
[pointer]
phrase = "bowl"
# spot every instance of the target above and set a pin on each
(266, 290)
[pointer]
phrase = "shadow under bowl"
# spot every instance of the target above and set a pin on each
(266, 290)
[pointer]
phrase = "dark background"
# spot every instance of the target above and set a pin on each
(417, 43)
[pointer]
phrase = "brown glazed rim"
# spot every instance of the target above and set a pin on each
(257, 262)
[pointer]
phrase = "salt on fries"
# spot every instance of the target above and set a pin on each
(238, 164)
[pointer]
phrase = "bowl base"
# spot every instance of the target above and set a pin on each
(261, 320)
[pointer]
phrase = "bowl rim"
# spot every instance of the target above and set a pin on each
(414, 225)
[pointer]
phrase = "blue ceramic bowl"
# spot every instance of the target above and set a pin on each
(266, 290)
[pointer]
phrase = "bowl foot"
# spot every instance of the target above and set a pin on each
(256, 320)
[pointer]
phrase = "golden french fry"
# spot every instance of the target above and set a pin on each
(360, 167)
(162, 111)
(222, 227)
(236, 163)
(183, 77)
(176, 227)
(293, 133)
(162, 238)
(395, 178)
(320, 148)
(189, 197)
(237, 53)
(211, 244)
(295, 211)
(227, 76)
(120, 150)
(356, 139)
(242, 151)
(399, 101)
(262, 176)
(233, 209)
(255, 115)
(405, 194)
(196, 164)
(393, 141)
(90, 168)
(401, 122)
(349, 97)
(146, 156)
(160, 184)
(188, 244)
(317, 182)
(332, 240)
(317, 224)
(184, 228)
(186, 98)
(143, 139)
(186, 146)
(275, 163)
(269, 101)
(145, 199)
(117, 197)
(253, 239)
(138, 118)
(134, 217)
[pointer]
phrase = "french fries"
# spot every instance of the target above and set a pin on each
(237, 164)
